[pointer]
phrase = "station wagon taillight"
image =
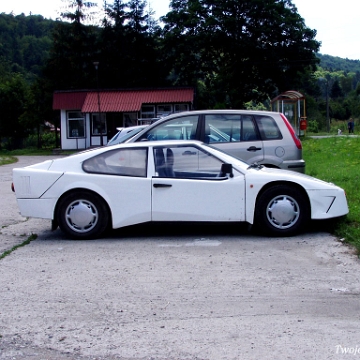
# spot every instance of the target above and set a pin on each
(292, 132)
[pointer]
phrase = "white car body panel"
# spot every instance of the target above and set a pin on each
(37, 208)
(32, 183)
(327, 203)
(124, 204)
(198, 200)
(326, 200)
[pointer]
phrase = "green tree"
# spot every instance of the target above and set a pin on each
(238, 47)
(13, 97)
(336, 91)
(70, 64)
(130, 49)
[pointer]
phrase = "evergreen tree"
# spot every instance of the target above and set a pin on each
(336, 91)
(129, 50)
(74, 50)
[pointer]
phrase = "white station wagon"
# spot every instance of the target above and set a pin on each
(126, 184)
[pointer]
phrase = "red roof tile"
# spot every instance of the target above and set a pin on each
(69, 100)
(120, 101)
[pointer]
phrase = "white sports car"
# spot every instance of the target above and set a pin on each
(112, 187)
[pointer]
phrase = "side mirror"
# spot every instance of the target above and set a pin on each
(227, 169)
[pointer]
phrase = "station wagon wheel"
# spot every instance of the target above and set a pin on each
(281, 210)
(82, 215)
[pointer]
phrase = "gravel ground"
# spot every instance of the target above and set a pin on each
(175, 292)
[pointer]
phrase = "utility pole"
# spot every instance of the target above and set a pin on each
(96, 64)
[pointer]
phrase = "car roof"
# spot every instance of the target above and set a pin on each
(217, 111)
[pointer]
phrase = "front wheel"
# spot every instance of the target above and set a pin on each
(281, 211)
(82, 215)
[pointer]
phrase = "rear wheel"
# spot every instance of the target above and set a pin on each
(82, 215)
(281, 210)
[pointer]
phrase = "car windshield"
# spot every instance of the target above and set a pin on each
(125, 134)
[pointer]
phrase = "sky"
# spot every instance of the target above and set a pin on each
(337, 23)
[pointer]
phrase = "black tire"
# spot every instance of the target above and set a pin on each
(82, 215)
(281, 210)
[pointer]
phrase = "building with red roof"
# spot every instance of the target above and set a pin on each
(90, 117)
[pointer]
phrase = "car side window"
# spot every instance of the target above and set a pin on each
(182, 128)
(230, 128)
(186, 162)
(268, 128)
(249, 130)
(222, 128)
(123, 162)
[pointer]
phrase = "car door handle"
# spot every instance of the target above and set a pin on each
(162, 185)
(253, 148)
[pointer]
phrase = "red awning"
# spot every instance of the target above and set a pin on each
(120, 101)
(69, 100)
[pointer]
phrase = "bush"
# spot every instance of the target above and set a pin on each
(47, 141)
(313, 126)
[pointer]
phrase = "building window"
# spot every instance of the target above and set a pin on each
(163, 110)
(75, 124)
(98, 124)
(181, 107)
(147, 111)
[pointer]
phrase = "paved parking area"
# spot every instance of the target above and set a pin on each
(174, 292)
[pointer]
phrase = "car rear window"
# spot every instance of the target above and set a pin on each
(268, 128)
(123, 162)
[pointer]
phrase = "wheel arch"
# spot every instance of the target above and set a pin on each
(76, 190)
(282, 182)
(251, 208)
(282, 212)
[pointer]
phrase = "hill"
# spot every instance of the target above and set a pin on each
(335, 63)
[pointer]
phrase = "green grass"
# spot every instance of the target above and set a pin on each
(337, 160)
(9, 157)
(6, 159)
(32, 151)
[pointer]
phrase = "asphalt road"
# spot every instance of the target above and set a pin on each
(174, 292)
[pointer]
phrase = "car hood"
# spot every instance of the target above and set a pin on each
(306, 181)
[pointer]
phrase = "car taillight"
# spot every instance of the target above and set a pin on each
(292, 132)
(12, 187)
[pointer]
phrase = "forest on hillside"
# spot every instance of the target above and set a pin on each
(236, 55)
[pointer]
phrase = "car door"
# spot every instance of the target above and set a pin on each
(187, 187)
(235, 134)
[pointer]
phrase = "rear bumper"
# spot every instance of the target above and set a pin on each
(37, 208)
(298, 166)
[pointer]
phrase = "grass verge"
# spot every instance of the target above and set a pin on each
(337, 160)
(6, 159)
